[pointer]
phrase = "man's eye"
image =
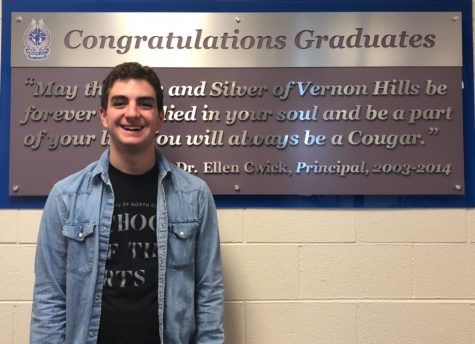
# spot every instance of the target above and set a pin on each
(119, 103)
(146, 104)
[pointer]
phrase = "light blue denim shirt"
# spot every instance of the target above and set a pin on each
(72, 249)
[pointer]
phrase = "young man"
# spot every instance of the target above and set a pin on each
(128, 248)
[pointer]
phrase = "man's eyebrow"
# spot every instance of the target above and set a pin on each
(146, 98)
(118, 97)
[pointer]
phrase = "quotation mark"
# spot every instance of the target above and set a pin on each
(30, 81)
(433, 131)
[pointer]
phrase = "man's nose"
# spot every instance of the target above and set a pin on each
(132, 111)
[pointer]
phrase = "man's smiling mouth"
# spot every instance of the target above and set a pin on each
(132, 128)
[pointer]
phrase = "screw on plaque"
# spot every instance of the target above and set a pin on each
(19, 19)
(237, 187)
(458, 187)
(455, 18)
(15, 188)
(238, 20)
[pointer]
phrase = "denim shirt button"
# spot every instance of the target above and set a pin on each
(92, 333)
(81, 234)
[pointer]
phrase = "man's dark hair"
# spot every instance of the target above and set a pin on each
(132, 70)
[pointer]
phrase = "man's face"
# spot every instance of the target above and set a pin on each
(132, 117)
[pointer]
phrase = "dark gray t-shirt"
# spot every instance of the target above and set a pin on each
(129, 302)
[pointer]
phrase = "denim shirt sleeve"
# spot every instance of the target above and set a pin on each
(209, 278)
(48, 320)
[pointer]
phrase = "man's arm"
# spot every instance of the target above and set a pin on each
(48, 319)
(209, 277)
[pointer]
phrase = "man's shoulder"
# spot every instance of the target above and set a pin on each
(178, 178)
(188, 195)
(76, 182)
(185, 180)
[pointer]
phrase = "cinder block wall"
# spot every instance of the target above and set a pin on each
(310, 276)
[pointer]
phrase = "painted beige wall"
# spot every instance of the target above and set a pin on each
(310, 276)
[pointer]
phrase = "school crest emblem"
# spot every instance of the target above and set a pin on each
(37, 40)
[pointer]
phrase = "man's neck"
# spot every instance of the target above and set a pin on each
(133, 163)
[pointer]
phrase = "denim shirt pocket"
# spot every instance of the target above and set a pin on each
(80, 247)
(181, 244)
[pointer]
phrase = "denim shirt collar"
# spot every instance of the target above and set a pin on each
(102, 166)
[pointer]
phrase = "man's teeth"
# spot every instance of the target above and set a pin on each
(133, 128)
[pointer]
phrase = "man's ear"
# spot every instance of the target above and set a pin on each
(161, 119)
(102, 116)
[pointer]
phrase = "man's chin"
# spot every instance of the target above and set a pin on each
(130, 147)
